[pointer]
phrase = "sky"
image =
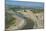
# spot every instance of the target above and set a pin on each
(14, 2)
(29, 0)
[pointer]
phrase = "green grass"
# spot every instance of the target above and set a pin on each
(37, 10)
(9, 20)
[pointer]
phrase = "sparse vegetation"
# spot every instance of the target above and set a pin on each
(9, 20)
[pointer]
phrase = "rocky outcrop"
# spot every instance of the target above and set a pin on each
(26, 20)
